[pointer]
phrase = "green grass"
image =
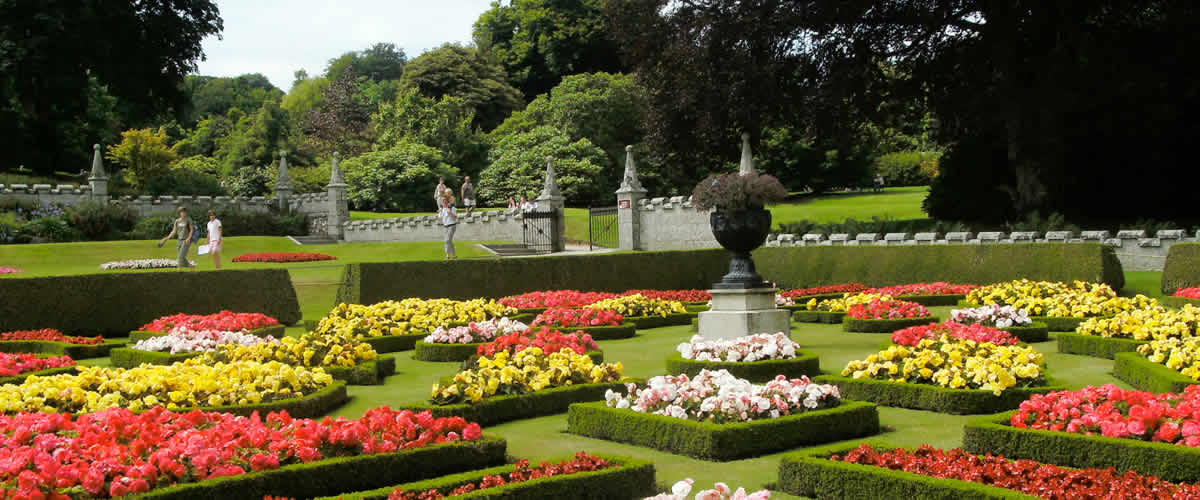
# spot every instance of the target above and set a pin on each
(895, 203)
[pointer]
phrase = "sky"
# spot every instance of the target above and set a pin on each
(276, 37)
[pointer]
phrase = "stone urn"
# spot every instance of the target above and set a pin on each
(740, 232)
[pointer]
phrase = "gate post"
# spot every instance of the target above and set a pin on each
(551, 200)
(339, 211)
(631, 193)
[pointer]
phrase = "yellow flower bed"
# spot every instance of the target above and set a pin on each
(310, 349)
(1153, 323)
(638, 305)
(1181, 355)
(529, 370)
(954, 363)
(408, 316)
(844, 303)
(189, 384)
(1079, 299)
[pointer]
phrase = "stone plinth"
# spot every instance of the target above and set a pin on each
(737, 313)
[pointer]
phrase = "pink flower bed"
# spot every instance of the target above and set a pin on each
(1118, 413)
(10, 270)
(1190, 293)
(888, 309)
(555, 298)
(977, 332)
(225, 321)
(935, 288)
(824, 290)
(15, 364)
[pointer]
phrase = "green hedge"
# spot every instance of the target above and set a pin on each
(332, 476)
(313, 405)
(811, 474)
(1035, 332)
(368, 373)
(884, 325)
(75, 351)
(935, 300)
(368, 283)
(277, 331)
(804, 299)
(829, 317)
(1179, 302)
(1058, 323)
(710, 441)
(128, 357)
(632, 479)
(49, 372)
(805, 363)
(648, 322)
(1095, 346)
(995, 434)
(461, 352)
(115, 304)
(531, 310)
(394, 343)
(622, 331)
(932, 397)
(500, 409)
(1182, 268)
(1139, 372)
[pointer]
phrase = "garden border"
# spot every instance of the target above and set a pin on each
(857, 325)
(949, 299)
(1137, 371)
(372, 372)
(828, 317)
(1035, 332)
(1095, 345)
(277, 331)
(647, 322)
(934, 398)
(49, 372)
(623, 331)
(128, 357)
(804, 364)
(500, 409)
(314, 405)
(75, 351)
(394, 343)
(721, 442)
(1178, 302)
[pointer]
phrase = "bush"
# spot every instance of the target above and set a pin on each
(804, 364)
(75, 351)
(829, 317)
(252, 181)
(884, 325)
(710, 441)
(1058, 323)
(932, 397)
(1139, 372)
(500, 409)
(518, 168)
(1095, 346)
(128, 357)
(393, 343)
(1182, 269)
(53, 229)
(98, 220)
(1034, 332)
(648, 322)
(623, 331)
(400, 179)
(908, 168)
(185, 181)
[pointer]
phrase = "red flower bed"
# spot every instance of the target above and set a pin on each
(556, 298)
(582, 463)
(15, 364)
(679, 295)
(282, 257)
(50, 335)
(226, 321)
(936, 288)
(117, 452)
(888, 309)
(1026, 476)
(1191, 293)
(549, 341)
(564, 317)
(822, 290)
(977, 332)
(1117, 413)
(10, 270)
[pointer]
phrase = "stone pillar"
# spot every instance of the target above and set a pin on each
(552, 199)
(283, 185)
(629, 218)
(339, 210)
(97, 179)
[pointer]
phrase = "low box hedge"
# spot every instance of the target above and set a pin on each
(432, 351)
(711, 441)
(811, 474)
(1095, 346)
(128, 357)
(1179, 302)
(633, 478)
(277, 331)
(623, 331)
(500, 409)
(1143, 374)
(647, 322)
(371, 372)
(1182, 267)
(995, 434)
(830, 317)
(696, 307)
(313, 405)
(75, 351)
(1035, 332)
(805, 363)
(884, 325)
(49, 372)
(395, 343)
(332, 476)
(935, 300)
(1059, 323)
(932, 397)
(531, 310)
(804, 299)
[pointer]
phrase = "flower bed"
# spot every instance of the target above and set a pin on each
(720, 491)
(885, 316)
(624, 477)
(832, 310)
(1126, 331)
(49, 335)
(185, 339)
(622, 331)
(884, 325)
(928, 294)
(1188, 293)
(757, 358)
(1076, 300)
(995, 316)
(1183, 297)
(830, 317)
(880, 470)
(562, 318)
(283, 257)
(721, 398)
(10, 270)
(50, 341)
(459, 343)
(15, 368)
(555, 298)
(976, 332)
(1097, 347)
(225, 321)
(636, 306)
(159, 454)
(648, 322)
(549, 341)
(690, 296)
(1137, 371)
(397, 325)
(804, 364)
(141, 264)
(840, 290)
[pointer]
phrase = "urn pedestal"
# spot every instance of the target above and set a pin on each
(743, 304)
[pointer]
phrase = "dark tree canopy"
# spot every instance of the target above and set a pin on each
(342, 121)
(458, 71)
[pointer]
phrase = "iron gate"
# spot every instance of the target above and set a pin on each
(602, 228)
(538, 231)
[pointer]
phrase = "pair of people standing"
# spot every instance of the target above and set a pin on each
(467, 191)
(185, 230)
(448, 214)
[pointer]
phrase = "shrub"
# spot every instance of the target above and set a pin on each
(185, 181)
(101, 221)
(518, 168)
(1182, 268)
(734, 191)
(399, 179)
(908, 168)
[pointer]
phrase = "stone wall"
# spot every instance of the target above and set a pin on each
(143, 206)
(479, 226)
(673, 224)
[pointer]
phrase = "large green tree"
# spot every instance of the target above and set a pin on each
(518, 168)
(379, 62)
(465, 72)
(445, 124)
(342, 121)
(213, 96)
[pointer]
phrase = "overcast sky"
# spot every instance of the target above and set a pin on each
(276, 37)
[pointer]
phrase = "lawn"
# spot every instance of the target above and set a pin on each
(895, 203)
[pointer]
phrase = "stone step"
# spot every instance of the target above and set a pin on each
(313, 240)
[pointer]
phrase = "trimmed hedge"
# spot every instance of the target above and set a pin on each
(1035, 332)
(804, 364)
(394, 343)
(995, 434)
(372, 372)
(811, 474)
(335, 475)
(623, 331)
(1182, 268)
(277, 331)
(710, 441)
(696, 308)
(830, 317)
(632, 479)
(313, 405)
(115, 304)
(1179, 302)
(884, 325)
(1061, 324)
(75, 351)
(1095, 346)
(648, 322)
(935, 300)
(432, 351)
(932, 397)
(532, 310)
(500, 409)
(1139, 372)
(20, 378)
(128, 357)
(803, 299)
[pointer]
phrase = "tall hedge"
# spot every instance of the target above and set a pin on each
(368, 283)
(1182, 269)
(115, 304)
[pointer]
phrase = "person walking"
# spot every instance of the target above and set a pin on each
(449, 219)
(216, 237)
(185, 230)
(468, 194)
(878, 183)
(437, 192)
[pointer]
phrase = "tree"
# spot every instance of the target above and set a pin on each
(540, 41)
(379, 62)
(305, 95)
(342, 122)
(144, 153)
(518, 168)
(398, 179)
(206, 138)
(458, 71)
(257, 139)
(443, 123)
(215, 96)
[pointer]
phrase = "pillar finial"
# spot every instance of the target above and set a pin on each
(550, 188)
(746, 167)
(336, 179)
(629, 180)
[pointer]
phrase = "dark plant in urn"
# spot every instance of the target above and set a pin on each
(740, 223)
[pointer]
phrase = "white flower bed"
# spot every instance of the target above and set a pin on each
(717, 396)
(720, 491)
(141, 264)
(994, 316)
(476, 332)
(749, 348)
(182, 339)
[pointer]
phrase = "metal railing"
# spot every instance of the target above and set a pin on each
(602, 228)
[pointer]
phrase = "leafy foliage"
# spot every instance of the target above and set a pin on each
(379, 62)
(144, 153)
(734, 191)
(445, 124)
(465, 72)
(341, 122)
(397, 179)
(518, 168)
(215, 96)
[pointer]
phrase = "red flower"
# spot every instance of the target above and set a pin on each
(936, 288)
(556, 298)
(677, 295)
(888, 309)
(1114, 412)
(548, 340)
(16, 364)
(282, 257)
(1191, 293)
(913, 335)
(50, 335)
(824, 290)
(223, 321)
(582, 463)
(566, 318)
